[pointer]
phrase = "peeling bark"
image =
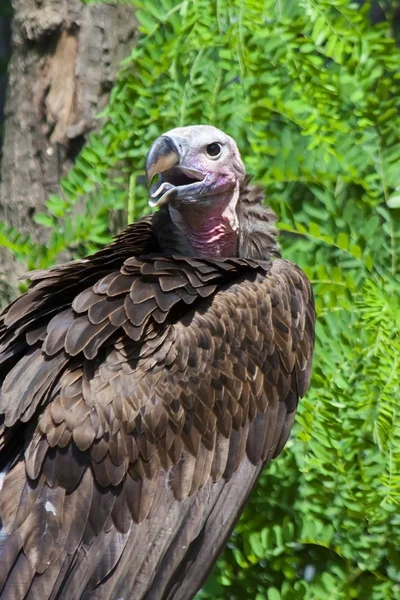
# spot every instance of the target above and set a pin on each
(64, 61)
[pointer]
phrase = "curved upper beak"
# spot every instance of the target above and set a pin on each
(164, 153)
(170, 157)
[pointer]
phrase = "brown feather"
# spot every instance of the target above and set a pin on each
(19, 579)
(40, 530)
(17, 497)
(10, 546)
(83, 496)
(139, 453)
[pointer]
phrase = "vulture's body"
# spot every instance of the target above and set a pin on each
(142, 391)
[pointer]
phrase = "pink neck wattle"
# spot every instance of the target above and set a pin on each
(213, 231)
(214, 237)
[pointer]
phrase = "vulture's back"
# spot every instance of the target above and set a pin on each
(141, 395)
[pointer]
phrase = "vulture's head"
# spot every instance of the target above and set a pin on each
(198, 179)
(196, 165)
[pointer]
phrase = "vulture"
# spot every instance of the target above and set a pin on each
(144, 388)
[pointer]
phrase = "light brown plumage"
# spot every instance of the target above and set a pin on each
(142, 392)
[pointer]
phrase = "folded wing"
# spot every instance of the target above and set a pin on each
(140, 399)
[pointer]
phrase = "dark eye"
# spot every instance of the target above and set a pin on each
(213, 149)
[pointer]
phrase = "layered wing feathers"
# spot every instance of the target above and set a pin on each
(131, 386)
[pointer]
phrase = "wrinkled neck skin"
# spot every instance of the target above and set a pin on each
(242, 225)
(212, 230)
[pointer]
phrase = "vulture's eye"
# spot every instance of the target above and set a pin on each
(214, 149)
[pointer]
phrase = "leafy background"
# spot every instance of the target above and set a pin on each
(311, 91)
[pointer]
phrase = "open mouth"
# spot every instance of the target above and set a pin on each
(171, 182)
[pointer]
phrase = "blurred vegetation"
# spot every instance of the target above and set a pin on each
(311, 91)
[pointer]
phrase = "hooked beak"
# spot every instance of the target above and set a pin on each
(162, 155)
(166, 158)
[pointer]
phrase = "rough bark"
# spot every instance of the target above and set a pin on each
(63, 65)
(4, 53)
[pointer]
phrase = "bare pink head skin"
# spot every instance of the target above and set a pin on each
(200, 173)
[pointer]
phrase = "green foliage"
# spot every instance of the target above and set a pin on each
(311, 92)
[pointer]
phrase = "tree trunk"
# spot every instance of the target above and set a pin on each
(63, 65)
(4, 53)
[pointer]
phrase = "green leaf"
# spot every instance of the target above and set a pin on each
(342, 241)
(394, 199)
(44, 219)
(273, 594)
